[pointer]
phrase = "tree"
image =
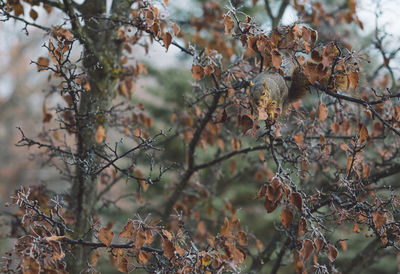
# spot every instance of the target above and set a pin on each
(317, 169)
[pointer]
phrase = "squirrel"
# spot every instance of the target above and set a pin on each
(270, 95)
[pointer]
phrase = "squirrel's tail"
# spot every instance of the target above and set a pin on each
(299, 86)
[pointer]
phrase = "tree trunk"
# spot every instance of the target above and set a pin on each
(102, 69)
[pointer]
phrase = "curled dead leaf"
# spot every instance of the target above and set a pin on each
(100, 134)
(105, 236)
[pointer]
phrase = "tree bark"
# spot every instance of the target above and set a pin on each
(102, 54)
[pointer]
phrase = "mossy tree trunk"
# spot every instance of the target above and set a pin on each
(102, 54)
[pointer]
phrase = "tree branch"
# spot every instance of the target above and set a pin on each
(229, 155)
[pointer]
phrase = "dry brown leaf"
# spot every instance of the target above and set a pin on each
(354, 78)
(226, 228)
(286, 218)
(274, 190)
(363, 134)
(106, 236)
(208, 70)
(149, 237)
(365, 170)
(262, 191)
(100, 134)
(379, 219)
(270, 206)
(343, 244)
(299, 139)
(33, 14)
(242, 238)
(306, 249)
(322, 112)
(42, 63)
(332, 252)
(143, 257)
(296, 200)
(167, 234)
(276, 58)
(127, 231)
(302, 226)
(319, 244)
(168, 248)
(123, 264)
(335, 128)
(140, 239)
(94, 257)
(197, 72)
(167, 39)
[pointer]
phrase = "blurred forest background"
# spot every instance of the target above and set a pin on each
(165, 88)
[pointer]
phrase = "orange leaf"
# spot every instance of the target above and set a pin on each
(296, 200)
(226, 228)
(363, 134)
(343, 244)
(306, 249)
(242, 238)
(197, 72)
(353, 77)
(365, 170)
(140, 239)
(168, 248)
(262, 191)
(167, 39)
(286, 218)
(302, 226)
(270, 206)
(276, 59)
(18, 9)
(379, 219)
(100, 134)
(167, 234)
(322, 112)
(274, 190)
(94, 258)
(149, 237)
(42, 63)
(299, 139)
(143, 257)
(319, 244)
(259, 244)
(122, 264)
(332, 253)
(335, 128)
(127, 231)
(208, 70)
(105, 236)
